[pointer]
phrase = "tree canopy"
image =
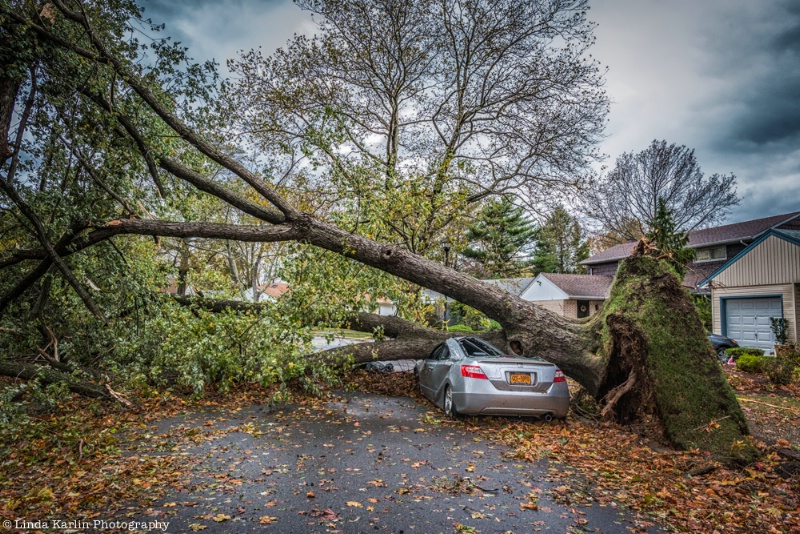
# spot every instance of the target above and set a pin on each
(407, 113)
(561, 244)
(626, 201)
(500, 239)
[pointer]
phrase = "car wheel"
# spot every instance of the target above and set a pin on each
(449, 407)
(721, 355)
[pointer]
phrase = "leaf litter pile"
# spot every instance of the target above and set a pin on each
(81, 460)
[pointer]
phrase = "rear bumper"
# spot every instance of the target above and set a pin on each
(555, 402)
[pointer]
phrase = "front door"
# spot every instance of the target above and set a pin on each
(583, 309)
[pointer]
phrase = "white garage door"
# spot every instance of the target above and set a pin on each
(747, 321)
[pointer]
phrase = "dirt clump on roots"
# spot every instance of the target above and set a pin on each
(656, 348)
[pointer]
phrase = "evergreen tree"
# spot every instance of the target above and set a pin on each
(561, 244)
(499, 239)
(666, 237)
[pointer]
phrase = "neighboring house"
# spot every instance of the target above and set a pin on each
(714, 247)
(760, 282)
(570, 295)
(275, 289)
(386, 307)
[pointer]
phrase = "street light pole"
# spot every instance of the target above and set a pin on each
(446, 247)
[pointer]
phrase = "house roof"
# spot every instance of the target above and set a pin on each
(515, 286)
(792, 236)
(617, 252)
(275, 290)
(581, 285)
(719, 235)
(733, 233)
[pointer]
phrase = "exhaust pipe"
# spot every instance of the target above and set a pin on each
(548, 417)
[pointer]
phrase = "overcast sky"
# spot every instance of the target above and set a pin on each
(719, 76)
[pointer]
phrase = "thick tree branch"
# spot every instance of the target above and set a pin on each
(181, 128)
(51, 376)
(48, 247)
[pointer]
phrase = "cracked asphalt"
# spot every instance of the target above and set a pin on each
(358, 464)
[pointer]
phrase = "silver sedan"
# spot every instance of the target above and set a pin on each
(467, 375)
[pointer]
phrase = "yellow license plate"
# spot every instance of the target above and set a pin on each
(520, 378)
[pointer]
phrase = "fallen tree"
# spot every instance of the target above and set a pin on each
(645, 357)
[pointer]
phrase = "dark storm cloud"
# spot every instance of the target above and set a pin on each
(219, 29)
(763, 62)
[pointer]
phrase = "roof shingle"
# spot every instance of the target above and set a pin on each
(581, 285)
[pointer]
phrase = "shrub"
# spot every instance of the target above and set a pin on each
(781, 370)
(751, 363)
(460, 328)
(779, 327)
(736, 352)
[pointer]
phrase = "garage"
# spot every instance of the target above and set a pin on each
(747, 320)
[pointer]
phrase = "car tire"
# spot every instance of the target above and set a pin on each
(723, 358)
(449, 406)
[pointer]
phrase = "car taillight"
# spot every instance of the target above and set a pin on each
(560, 377)
(473, 371)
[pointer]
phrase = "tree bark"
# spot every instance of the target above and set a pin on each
(51, 376)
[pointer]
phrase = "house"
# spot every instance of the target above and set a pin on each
(714, 247)
(570, 295)
(385, 307)
(760, 282)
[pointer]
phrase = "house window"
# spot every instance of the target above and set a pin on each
(711, 254)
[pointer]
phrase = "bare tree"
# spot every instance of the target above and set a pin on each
(626, 201)
(445, 102)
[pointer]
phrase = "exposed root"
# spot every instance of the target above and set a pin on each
(613, 396)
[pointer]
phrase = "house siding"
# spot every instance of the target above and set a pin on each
(773, 261)
(555, 306)
(567, 308)
(604, 269)
(788, 292)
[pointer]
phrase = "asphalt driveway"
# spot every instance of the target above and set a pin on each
(360, 463)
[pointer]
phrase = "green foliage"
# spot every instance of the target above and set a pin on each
(665, 236)
(408, 140)
(499, 239)
(737, 352)
(781, 370)
(779, 326)
(751, 363)
(460, 328)
(702, 304)
(561, 244)
(194, 348)
(468, 317)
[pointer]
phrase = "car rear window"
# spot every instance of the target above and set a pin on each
(477, 348)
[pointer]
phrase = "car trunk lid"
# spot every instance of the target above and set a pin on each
(518, 374)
